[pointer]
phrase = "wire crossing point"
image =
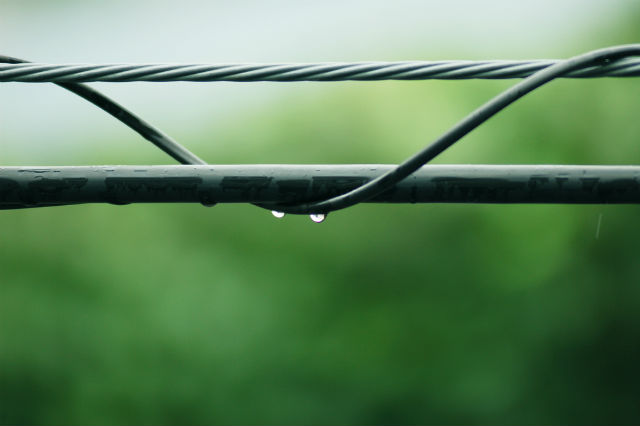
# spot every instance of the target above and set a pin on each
(270, 187)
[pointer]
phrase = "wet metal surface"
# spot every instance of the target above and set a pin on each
(45, 186)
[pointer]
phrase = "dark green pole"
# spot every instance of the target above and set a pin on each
(23, 187)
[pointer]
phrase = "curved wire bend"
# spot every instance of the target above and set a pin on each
(470, 122)
(144, 129)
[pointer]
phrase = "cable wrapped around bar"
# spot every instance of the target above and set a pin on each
(603, 58)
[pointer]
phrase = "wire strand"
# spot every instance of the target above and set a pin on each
(323, 71)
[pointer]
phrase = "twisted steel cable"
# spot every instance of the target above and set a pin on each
(354, 71)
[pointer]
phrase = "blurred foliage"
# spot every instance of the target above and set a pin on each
(451, 314)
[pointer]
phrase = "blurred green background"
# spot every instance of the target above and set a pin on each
(383, 314)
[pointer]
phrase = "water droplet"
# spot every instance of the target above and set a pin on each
(277, 214)
(318, 217)
(208, 204)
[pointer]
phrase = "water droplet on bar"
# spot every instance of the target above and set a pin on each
(277, 214)
(318, 217)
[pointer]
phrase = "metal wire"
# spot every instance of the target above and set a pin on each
(25, 187)
(324, 71)
(586, 65)
(144, 129)
(457, 132)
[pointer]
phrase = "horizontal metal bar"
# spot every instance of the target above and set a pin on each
(23, 187)
(320, 71)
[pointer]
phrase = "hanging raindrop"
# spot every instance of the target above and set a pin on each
(277, 214)
(318, 217)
